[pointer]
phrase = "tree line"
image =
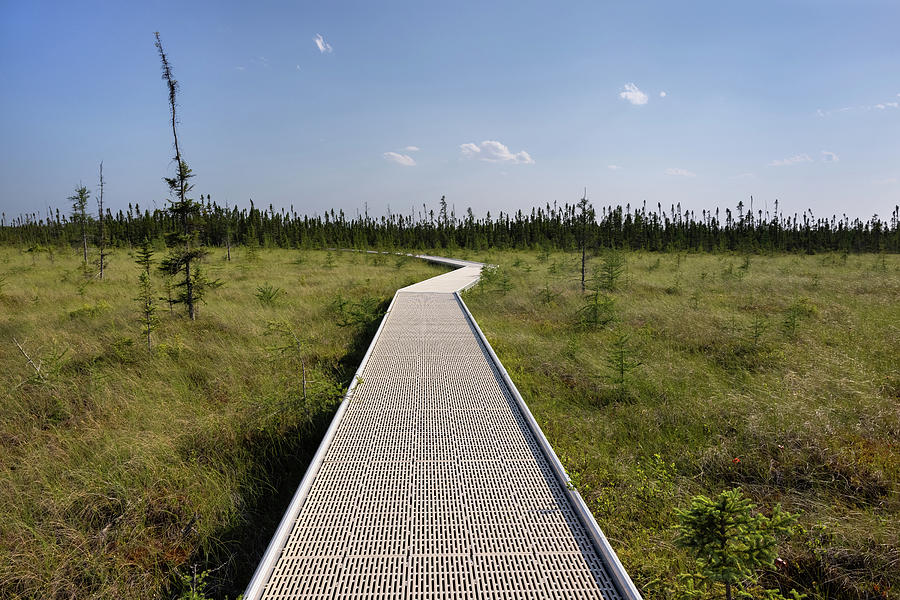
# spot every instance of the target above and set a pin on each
(553, 226)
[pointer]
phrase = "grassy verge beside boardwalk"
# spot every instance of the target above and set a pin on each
(119, 468)
(779, 374)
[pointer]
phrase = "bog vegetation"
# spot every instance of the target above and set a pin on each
(126, 463)
(695, 373)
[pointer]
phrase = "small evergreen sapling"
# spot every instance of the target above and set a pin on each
(79, 215)
(149, 319)
(611, 269)
(599, 310)
(621, 360)
(729, 542)
(267, 294)
(757, 328)
(547, 294)
(290, 348)
(586, 215)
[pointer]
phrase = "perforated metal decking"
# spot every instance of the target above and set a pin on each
(434, 482)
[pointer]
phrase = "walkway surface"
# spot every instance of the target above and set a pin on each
(434, 482)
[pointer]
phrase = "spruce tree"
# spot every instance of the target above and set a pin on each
(79, 215)
(729, 542)
(585, 215)
(185, 251)
(621, 360)
(145, 292)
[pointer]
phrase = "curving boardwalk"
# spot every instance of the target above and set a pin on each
(434, 482)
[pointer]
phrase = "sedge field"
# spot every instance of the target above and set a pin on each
(121, 469)
(776, 374)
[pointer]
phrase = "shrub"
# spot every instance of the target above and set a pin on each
(729, 542)
(267, 294)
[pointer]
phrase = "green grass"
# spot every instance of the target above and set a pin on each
(121, 469)
(778, 374)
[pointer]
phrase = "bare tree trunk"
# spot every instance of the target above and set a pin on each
(36, 367)
(583, 204)
(102, 243)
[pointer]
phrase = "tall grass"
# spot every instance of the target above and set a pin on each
(780, 375)
(122, 469)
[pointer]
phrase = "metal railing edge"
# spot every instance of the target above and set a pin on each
(276, 544)
(617, 570)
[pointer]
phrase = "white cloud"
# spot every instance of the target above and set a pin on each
(493, 151)
(412, 148)
(400, 159)
(633, 95)
(321, 44)
(744, 175)
(863, 107)
(886, 181)
(793, 160)
(662, 94)
(614, 167)
(829, 156)
(469, 149)
(680, 172)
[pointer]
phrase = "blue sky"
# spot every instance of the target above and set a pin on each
(498, 106)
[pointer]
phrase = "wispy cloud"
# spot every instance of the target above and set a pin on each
(412, 148)
(680, 172)
(633, 94)
(614, 167)
(323, 46)
(401, 159)
(792, 160)
(493, 151)
(891, 105)
(885, 181)
(744, 175)
(829, 156)
(662, 94)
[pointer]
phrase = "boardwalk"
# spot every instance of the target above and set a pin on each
(434, 482)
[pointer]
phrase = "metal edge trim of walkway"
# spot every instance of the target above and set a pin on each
(622, 579)
(273, 551)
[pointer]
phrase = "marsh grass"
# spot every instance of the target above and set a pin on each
(122, 470)
(780, 376)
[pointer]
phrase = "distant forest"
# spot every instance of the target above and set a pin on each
(550, 227)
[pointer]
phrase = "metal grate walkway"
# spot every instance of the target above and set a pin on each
(434, 482)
